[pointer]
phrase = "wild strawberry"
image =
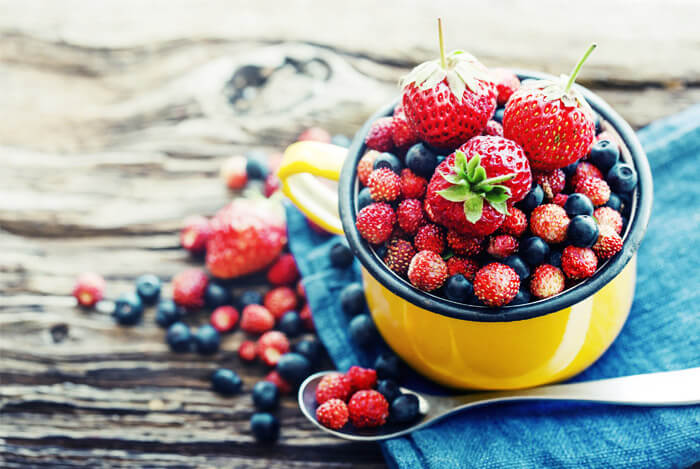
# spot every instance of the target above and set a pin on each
(502, 246)
(333, 386)
(332, 414)
(89, 289)
(547, 281)
(381, 134)
(247, 351)
(195, 234)
(275, 378)
(224, 318)
(507, 83)
(549, 222)
(271, 185)
(384, 185)
(403, 135)
(398, 110)
(595, 189)
(410, 215)
(256, 319)
(427, 271)
(398, 256)
(271, 346)
(307, 317)
(376, 222)
(551, 121)
(462, 265)
(515, 223)
(430, 238)
(607, 216)
(315, 134)
(366, 165)
(560, 199)
(188, 288)
(279, 300)
(493, 128)
(233, 172)
(496, 284)
(578, 263)
(412, 186)
(246, 236)
(471, 190)
(465, 245)
(608, 244)
(584, 170)
(450, 100)
(284, 271)
(551, 182)
(368, 408)
(361, 378)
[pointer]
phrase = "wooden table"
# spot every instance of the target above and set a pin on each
(116, 117)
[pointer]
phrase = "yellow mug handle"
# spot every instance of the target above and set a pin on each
(301, 164)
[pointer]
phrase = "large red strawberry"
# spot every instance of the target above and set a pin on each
(449, 100)
(471, 190)
(246, 236)
(551, 121)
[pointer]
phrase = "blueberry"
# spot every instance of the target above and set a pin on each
(534, 250)
(498, 115)
(388, 160)
(168, 312)
(341, 140)
(293, 368)
(389, 389)
(521, 298)
(291, 324)
(250, 297)
(148, 288)
(309, 348)
(226, 382)
(265, 427)
(517, 263)
(266, 396)
(388, 366)
(554, 259)
(604, 154)
(352, 299)
(570, 169)
(578, 204)
(404, 409)
(614, 202)
(622, 178)
(421, 160)
(340, 255)
(364, 198)
(128, 309)
(459, 289)
(362, 330)
(533, 199)
(179, 337)
(582, 231)
(256, 165)
(217, 295)
(207, 339)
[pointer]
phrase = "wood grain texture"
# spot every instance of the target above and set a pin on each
(116, 118)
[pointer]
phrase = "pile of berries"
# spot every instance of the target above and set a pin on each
(488, 191)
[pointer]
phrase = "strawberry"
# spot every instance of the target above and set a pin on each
(398, 256)
(403, 135)
(333, 386)
(507, 83)
(279, 300)
(224, 318)
(496, 284)
(247, 351)
(502, 246)
(595, 189)
(270, 356)
(271, 346)
(188, 288)
(194, 234)
(271, 185)
(471, 190)
(381, 134)
(410, 215)
(256, 319)
(551, 182)
(560, 199)
(549, 222)
(608, 244)
(301, 290)
(368, 408)
(361, 378)
(307, 318)
(284, 271)
(283, 386)
(462, 265)
(450, 100)
(366, 165)
(551, 121)
(376, 222)
(412, 186)
(398, 110)
(89, 289)
(430, 238)
(547, 281)
(493, 128)
(427, 271)
(515, 223)
(608, 216)
(585, 170)
(578, 263)
(247, 236)
(464, 245)
(332, 414)
(384, 185)
(233, 172)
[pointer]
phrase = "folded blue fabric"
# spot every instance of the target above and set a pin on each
(662, 333)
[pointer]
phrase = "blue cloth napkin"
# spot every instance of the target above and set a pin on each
(662, 333)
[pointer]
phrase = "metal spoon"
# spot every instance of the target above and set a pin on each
(670, 388)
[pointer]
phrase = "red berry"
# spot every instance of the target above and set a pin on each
(412, 186)
(502, 246)
(271, 346)
(398, 255)
(188, 288)
(195, 234)
(507, 83)
(560, 199)
(89, 289)
(493, 128)
(256, 319)
(410, 215)
(547, 281)
(279, 300)
(515, 223)
(271, 185)
(224, 318)
(608, 244)
(332, 414)
(307, 317)
(462, 265)
(578, 263)
(333, 386)
(376, 222)
(284, 271)
(585, 170)
(595, 189)
(551, 182)
(427, 271)
(361, 378)
(275, 378)
(430, 238)
(366, 165)
(301, 291)
(247, 351)
(403, 135)
(398, 110)
(381, 134)
(608, 216)
(465, 245)
(384, 185)
(496, 284)
(233, 172)
(549, 222)
(368, 408)
(315, 134)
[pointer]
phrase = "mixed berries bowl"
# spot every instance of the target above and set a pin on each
(496, 216)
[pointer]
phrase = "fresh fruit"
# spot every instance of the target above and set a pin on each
(291, 324)
(389, 161)
(412, 185)
(496, 284)
(188, 288)
(364, 198)
(515, 222)
(271, 185)
(368, 408)
(614, 202)
(547, 281)
(549, 222)
(551, 182)
(207, 339)
(168, 312)
(578, 204)
(256, 165)
(315, 134)
(179, 337)
(403, 135)
(604, 154)
(247, 236)
(608, 243)
(307, 317)
(250, 297)
(560, 199)
(293, 368)
(282, 385)
(224, 318)
(247, 351)
(388, 366)
(507, 83)
(459, 289)
(622, 178)
(226, 382)
(534, 250)
(595, 189)
(195, 234)
(405, 408)
(518, 264)
(376, 222)
(606, 216)
(256, 319)
(266, 395)
(493, 128)
(462, 265)
(384, 185)
(427, 271)
(421, 160)
(265, 427)
(554, 258)
(233, 172)
(582, 231)
(274, 340)
(389, 389)
(532, 199)
(340, 255)
(498, 115)
(279, 300)
(284, 271)
(332, 414)
(381, 134)
(430, 237)
(89, 289)
(398, 255)
(216, 295)
(584, 170)
(128, 309)
(310, 348)
(410, 215)
(366, 165)
(551, 120)
(361, 378)
(333, 386)
(465, 245)
(362, 330)
(578, 263)
(502, 246)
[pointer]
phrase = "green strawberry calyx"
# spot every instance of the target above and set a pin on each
(461, 70)
(471, 186)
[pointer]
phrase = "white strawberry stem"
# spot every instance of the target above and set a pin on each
(443, 61)
(577, 68)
